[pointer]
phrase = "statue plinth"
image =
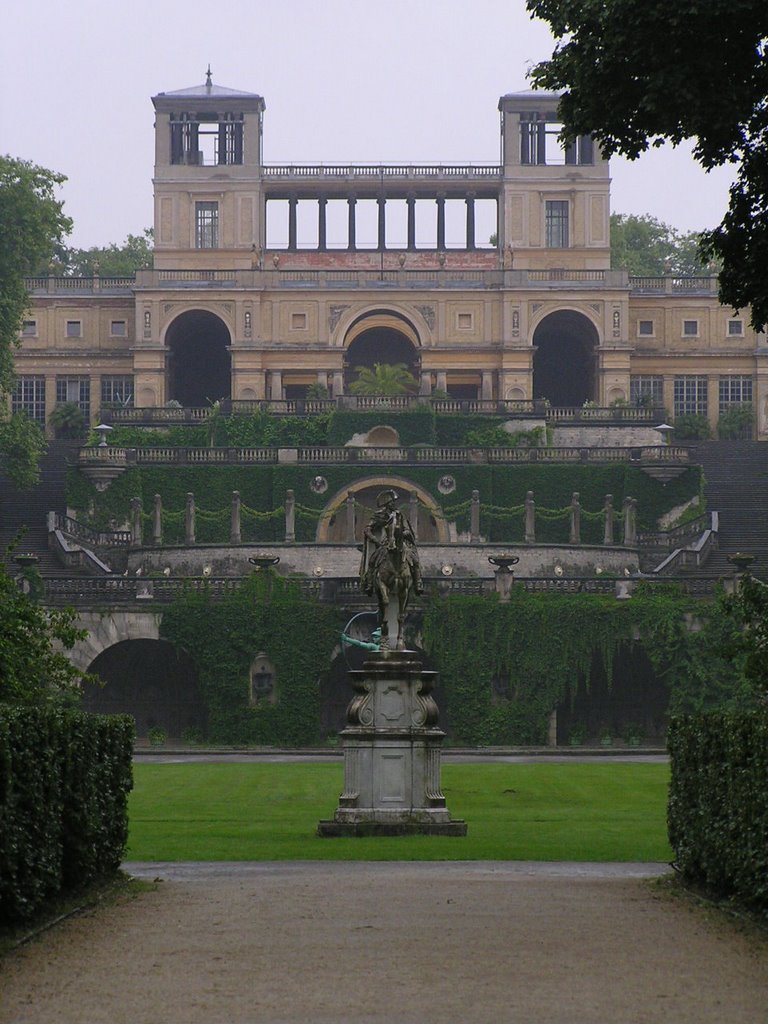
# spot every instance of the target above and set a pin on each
(392, 747)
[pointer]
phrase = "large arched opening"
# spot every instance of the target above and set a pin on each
(380, 337)
(151, 680)
(199, 364)
(565, 359)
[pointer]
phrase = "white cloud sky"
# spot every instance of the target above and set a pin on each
(365, 81)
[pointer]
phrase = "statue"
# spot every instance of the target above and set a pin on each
(390, 567)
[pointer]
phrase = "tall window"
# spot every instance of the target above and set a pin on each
(117, 391)
(29, 397)
(206, 225)
(734, 391)
(646, 390)
(77, 390)
(556, 226)
(690, 395)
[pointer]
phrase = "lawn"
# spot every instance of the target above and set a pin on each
(576, 812)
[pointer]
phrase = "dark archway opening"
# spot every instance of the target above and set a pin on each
(154, 682)
(565, 359)
(634, 702)
(379, 345)
(199, 364)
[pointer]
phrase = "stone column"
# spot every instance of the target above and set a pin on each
(290, 517)
(440, 200)
(413, 513)
(157, 521)
(442, 380)
(530, 518)
(189, 519)
(575, 537)
(382, 243)
(608, 512)
(321, 229)
(351, 539)
(411, 206)
(630, 522)
(276, 386)
(136, 523)
(474, 518)
(337, 383)
(293, 203)
(486, 389)
(470, 201)
(351, 243)
(235, 536)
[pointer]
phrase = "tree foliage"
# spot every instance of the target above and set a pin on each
(646, 247)
(384, 379)
(33, 666)
(31, 222)
(135, 253)
(22, 444)
(636, 73)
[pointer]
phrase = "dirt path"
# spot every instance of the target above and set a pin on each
(402, 943)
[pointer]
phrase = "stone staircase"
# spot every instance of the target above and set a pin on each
(736, 474)
(27, 510)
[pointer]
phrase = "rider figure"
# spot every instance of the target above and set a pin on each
(379, 537)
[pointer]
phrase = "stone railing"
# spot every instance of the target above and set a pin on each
(342, 455)
(81, 532)
(98, 591)
(670, 539)
(274, 172)
(703, 285)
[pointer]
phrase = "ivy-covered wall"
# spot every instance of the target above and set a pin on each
(542, 649)
(267, 614)
(262, 489)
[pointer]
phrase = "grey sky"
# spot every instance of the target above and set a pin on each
(343, 80)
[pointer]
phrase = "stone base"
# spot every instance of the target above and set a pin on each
(331, 829)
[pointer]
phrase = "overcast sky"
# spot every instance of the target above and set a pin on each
(365, 81)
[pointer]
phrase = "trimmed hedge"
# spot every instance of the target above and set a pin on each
(718, 803)
(64, 782)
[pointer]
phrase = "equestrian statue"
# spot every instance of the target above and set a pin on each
(390, 567)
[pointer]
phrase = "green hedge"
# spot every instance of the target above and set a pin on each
(64, 781)
(718, 803)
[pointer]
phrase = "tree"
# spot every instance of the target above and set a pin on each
(33, 667)
(384, 379)
(22, 444)
(636, 73)
(31, 222)
(136, 253)
(646, 247)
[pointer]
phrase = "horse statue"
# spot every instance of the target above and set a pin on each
(390, 568)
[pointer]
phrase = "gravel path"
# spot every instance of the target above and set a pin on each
(396, 943)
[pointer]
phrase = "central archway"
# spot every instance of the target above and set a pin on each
(565, 359)
(380, 336)
(199, 364)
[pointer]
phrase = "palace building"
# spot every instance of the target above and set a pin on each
(269, 279)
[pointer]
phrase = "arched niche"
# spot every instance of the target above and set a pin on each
(430, 526)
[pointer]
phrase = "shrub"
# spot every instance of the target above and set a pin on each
(718, 803)
(64, 783)
(736, 423)
(692, 427)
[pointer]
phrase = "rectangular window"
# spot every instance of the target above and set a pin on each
(645, 328)
(77, 390)
(735, 328)
(556, 226)
(29, 329)
(298, 321)
(117, 391)
(206, 225)
(74, 329)
(690, 328)
(646, 391)
(690, 395)
(464, 321)
(118, 328)
(734, 391)
(29, 397)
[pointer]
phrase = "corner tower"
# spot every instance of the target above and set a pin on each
(556, 200)
(207, 177)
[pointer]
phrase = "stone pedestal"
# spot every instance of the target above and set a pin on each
(392, 754)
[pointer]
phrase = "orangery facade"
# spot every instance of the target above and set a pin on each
(491, 283)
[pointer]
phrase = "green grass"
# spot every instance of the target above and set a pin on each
(577, 812)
